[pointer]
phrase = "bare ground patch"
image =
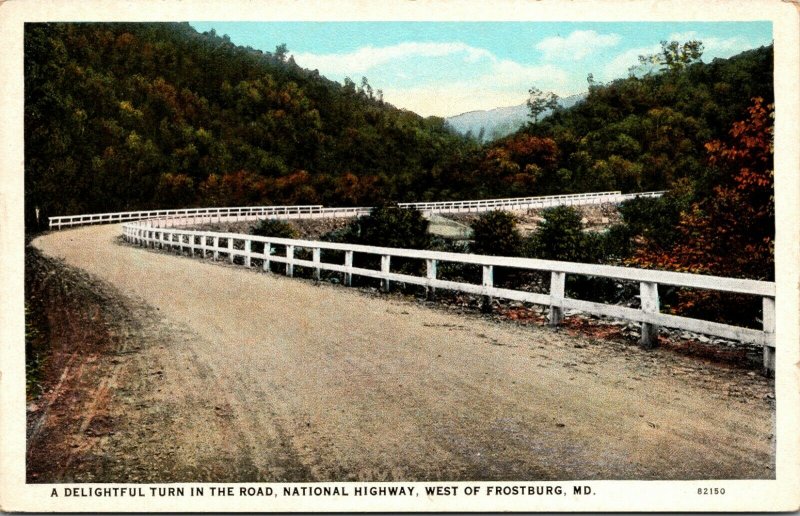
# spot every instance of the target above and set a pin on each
(107, 403)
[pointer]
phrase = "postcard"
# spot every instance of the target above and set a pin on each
(425, 256)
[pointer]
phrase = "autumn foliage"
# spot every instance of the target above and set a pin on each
(731, 232)
(518, 162)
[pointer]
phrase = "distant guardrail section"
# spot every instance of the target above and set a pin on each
(124, 216)
(526, 203)
(318, 211)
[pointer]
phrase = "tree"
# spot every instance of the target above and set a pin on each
(591, 83)
(281, 51)
(674, 56)
(539, 102)
(388, 225)
(366, 89)
(274, 228)
(730, 233)
(175, 190)
(515, 165)
(559, 236)
(495, 233)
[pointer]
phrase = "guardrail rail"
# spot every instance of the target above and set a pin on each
(124, 216)
(157, 234)
(318, 211)
(525, 203)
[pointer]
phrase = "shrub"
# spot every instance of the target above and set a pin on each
(559, 237)
(654, 218)
(388, 225)
(274, 228)
(618, 244)
(495, 233)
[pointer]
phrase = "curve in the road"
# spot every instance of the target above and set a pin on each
(323, 383)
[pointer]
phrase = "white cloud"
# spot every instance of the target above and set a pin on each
(618, 66)
(365, 58)
(508, 73)
(578, 45)
(505, 84)
(440, 79)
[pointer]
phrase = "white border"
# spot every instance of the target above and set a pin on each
(762, 495)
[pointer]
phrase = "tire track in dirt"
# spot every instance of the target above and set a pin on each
(245, 376)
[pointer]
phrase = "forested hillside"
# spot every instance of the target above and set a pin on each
(138, 116)
(645, 132)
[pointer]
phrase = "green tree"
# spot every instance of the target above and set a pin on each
(495, 233)
(559, 236)
(539, 102)
(388, 225)
(274, 228)
(281, 52)
(674, 55)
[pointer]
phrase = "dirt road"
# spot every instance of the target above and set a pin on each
(234, 375)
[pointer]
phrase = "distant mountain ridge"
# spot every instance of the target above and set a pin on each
(502, 121)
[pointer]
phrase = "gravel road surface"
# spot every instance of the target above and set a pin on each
(236, 375)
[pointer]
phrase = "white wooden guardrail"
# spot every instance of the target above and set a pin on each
(210, 245)
(317, 211)
(525, 203)
(207, 213)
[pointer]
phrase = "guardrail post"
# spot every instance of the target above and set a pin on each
(317, 253)
(488, 282)
(385, 266)
(648, 294)
(267, 253)
(430, 292)
(290, 260)
(768, 325)
(348, 266)
(557, 287)
(230, 249)
(248, 246)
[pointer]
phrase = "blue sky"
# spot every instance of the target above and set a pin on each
(446, 68)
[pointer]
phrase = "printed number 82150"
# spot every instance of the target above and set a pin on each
(711, 490)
